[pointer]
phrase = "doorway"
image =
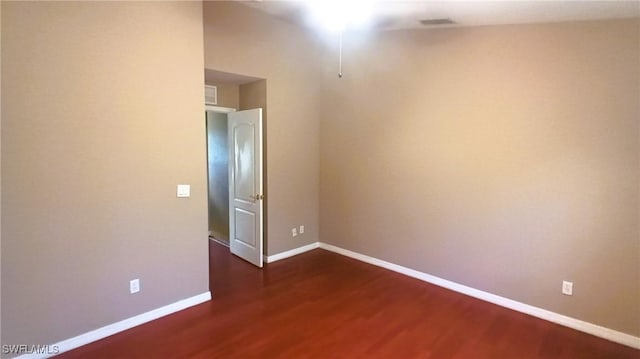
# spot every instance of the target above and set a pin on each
(236, 94)
(218, 173)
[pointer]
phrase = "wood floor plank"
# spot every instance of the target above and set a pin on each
(323, 305)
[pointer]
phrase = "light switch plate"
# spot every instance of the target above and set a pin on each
(134, 286)
(184, 190)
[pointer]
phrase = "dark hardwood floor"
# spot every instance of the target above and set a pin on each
(323, 305)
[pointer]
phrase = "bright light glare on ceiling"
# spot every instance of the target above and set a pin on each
(338, 16)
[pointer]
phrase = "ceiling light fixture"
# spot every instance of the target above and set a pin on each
(339, 16)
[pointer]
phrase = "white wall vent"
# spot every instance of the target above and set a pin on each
(210, 95)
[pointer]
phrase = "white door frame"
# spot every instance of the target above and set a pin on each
(219, 109)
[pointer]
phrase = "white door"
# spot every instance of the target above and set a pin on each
(245, 185)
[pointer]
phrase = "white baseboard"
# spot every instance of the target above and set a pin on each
(291, 253)
(586, 327)
(120, 326)
(219, 236)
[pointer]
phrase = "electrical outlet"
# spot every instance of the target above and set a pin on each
(294, 232)
(567, 288)
(301, 229)
(134, 286)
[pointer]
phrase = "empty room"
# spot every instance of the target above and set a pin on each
(320, 179)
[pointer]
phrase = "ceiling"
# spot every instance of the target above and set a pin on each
(394, 14)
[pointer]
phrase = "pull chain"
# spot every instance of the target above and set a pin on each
(340, 58)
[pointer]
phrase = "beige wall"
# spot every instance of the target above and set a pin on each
(253, 95)
(228, 95)
(102, 115)
(503, 158)
(244, 41)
